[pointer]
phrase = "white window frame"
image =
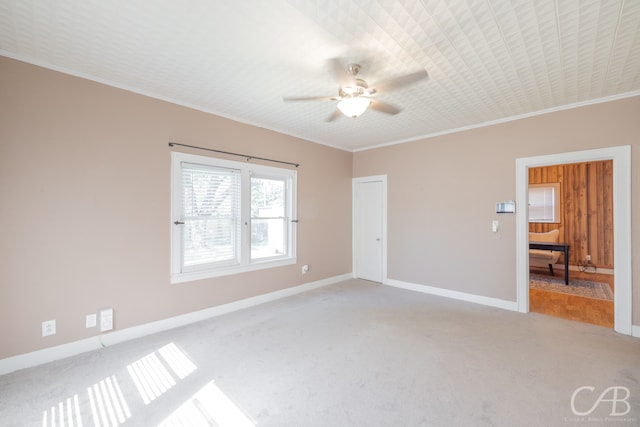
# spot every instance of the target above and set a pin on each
(178, 273)
(550, 213)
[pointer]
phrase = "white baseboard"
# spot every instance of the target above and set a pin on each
(22, 361)
(489, 301)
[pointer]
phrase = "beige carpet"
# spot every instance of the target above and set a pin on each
(352, 354)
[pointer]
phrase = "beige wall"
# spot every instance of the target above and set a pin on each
(85, 203)
(85, 206)
(442, 193)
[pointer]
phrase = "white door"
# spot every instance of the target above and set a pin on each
(368, 227)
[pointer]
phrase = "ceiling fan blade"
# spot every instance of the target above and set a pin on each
(398, 82)
(307, 98)
(334, 115)
(383, 107)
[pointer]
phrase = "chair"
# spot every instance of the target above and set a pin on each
(541, 257)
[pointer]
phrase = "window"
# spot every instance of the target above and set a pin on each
(544, 202)
(268, 219)
(229, 217)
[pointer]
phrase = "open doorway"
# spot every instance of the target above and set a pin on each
(571, 206)
(621, 157)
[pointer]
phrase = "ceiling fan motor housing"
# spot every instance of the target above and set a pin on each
(358, 88)
(353, 69)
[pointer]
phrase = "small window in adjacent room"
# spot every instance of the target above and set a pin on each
(544, 202)
(229, 217)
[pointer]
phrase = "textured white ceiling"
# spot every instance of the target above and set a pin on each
(488, 60)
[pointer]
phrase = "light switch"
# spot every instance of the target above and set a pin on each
(494, 226)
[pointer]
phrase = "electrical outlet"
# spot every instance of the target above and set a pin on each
(91, 321)
(588, 258)
(106, 319)
(48, 328)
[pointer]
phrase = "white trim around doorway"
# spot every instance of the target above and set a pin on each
(621, 157)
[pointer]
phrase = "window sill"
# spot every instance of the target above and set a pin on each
(228, 271)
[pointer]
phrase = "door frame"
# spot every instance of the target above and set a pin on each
(621, 157)
(383, 238)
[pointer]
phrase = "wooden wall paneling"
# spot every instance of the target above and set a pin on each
(607, 214)
(580, 236)
(572, 214)
(534, 178)
(569, 208)
(596, 244)
(594, 203)
(559, 177)
(600, 194)
(586, 198)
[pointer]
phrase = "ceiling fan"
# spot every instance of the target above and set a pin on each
(355, 95)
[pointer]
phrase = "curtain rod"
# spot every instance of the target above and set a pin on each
(171, 144)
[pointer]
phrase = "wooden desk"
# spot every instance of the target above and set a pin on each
(561, 247)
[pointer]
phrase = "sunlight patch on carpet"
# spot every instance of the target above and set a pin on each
(209, 407)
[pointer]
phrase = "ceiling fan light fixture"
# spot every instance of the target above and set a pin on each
(353, 106)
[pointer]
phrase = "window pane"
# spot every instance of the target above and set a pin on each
(268, 219)
(209, 241)
(211, 215)
(543, 203)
